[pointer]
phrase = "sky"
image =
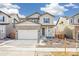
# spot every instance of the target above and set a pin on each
(25, 9)
(62, 9)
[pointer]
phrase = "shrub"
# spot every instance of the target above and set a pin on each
(68, 33)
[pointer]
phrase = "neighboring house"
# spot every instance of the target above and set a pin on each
(46, 22)
(60, 25)
(4, 21)
(6, 24)
(63, 27)
(74, 20)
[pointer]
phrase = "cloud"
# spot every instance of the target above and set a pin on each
(71, 5)
(54, 9)
(10, 8)
(8, 5)
(55, 21)
(21, 16)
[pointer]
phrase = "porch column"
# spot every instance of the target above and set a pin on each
(74, 34)
(38, 36)
(47, 31)
(16, 35)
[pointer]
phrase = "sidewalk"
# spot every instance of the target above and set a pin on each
(14, 51)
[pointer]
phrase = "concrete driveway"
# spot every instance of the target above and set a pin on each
(19, 43)
(15, 47)
(1, 41)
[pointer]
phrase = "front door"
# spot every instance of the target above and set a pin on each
(43, 31)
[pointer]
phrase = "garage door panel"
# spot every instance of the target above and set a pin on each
(27, 34)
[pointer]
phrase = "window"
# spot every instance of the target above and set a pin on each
(46, 20)
(1, 18)
(71, 21)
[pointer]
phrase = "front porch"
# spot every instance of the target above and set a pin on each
(46, 31)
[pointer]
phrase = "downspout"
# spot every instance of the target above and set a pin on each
(15, 29)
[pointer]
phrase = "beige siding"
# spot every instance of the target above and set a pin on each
(27, 27)
(34, 16)
(76, 26)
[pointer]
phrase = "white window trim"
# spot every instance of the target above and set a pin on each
(2, 20)
(44, 20)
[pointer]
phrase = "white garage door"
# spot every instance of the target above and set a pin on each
(27, 34)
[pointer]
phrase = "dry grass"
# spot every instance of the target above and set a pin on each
(57, 43)
(64, 54)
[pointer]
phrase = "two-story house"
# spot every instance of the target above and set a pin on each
(46, 22)
(6, 24)
(4, 18)
(74, 20)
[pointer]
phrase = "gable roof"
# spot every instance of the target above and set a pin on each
(5, 14)
(39, 15)
(48, 14)
(31, 16)
(19, 19)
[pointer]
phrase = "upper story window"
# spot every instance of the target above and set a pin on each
(1, 18)
(46, 20)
